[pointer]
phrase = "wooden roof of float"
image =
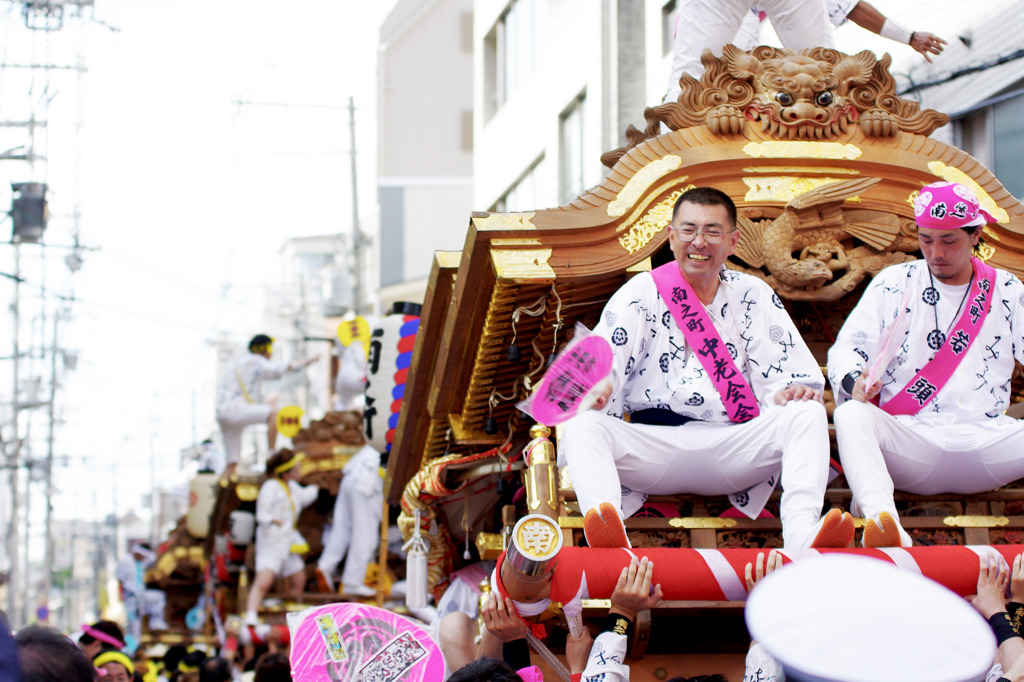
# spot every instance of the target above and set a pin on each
(848, 182)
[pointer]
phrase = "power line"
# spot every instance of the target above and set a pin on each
(966, 71)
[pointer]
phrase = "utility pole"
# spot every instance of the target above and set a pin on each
(48, 492)
(358, 244)
(13, 461)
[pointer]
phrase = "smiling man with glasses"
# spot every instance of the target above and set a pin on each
(721, 393)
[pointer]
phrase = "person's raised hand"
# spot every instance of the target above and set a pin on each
(501, 619)
(1017, 580)
(755, 573)
(927, 44)
(633, 591)
(993, 577)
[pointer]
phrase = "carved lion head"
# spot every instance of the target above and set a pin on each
(802, 95)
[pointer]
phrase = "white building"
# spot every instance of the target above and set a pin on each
(425, 140)
(555, 85)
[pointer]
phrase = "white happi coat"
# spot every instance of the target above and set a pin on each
(979, 388)
(960, 441)
(656, 368)
(274, 540)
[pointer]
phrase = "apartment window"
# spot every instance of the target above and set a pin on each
(524, 194)
(993, 133)
(669, 17)
(571, 181)
(509, 52)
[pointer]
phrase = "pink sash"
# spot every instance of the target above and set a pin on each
(701, 335)
(927, 383)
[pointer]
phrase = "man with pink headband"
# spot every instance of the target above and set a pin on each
(921, 370)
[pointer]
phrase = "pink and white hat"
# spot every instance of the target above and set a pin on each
(949, 206)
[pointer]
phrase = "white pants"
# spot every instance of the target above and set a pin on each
(355, 530)
(710, 24)
(881, 453)
(276, 555)
(604, 454)
(232, 419)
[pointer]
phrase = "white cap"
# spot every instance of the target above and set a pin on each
(847, 618)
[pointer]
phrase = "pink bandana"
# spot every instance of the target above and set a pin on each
(949, 206)
(102, 636)
(703, 338)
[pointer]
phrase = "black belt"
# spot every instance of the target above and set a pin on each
(658, 417)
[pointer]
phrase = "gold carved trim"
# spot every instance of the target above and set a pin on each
(522, 263)
(651, 223)
(247, 492)
(642, 266)
(640, 181)
(490, 545)
(954, 174)
(793, 149)
(985, 251)
(975, 521)
(515, 242)
(700, 522)
(783, 188)
(448, 259)
(819, 170)
(460, 432)
(506, 221)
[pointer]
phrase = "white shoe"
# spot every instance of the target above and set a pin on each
(358, 591)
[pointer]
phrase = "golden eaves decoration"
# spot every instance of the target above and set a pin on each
(953, 174)
(640, 182)
(654, 221)
(801, 149)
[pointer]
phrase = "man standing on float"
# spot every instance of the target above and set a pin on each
(927, 416)
(240, 396)
(721, 393)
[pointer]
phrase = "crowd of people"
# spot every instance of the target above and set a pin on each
(38, 653)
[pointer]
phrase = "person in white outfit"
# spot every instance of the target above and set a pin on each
(240, 396)
(706, 24)
(921, 370)
(350, 383)
(710, 24)
(725, 431)
(139, 600)
(355, 530)
(279, 546)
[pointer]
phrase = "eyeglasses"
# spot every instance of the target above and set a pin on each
(712, 235)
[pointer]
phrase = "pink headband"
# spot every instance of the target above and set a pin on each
(102, 636)
(949, 206)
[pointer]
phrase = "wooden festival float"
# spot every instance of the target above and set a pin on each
(824, 189)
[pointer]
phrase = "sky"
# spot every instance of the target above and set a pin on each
(202, 136)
